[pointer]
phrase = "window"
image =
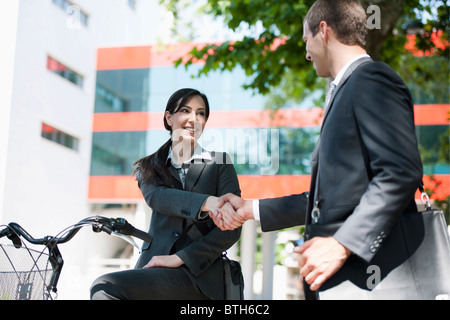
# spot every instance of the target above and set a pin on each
(122, 90)
(113, 153)
(73, 11)
(109, 100)
(62, 138)
(132, 4)
(64, 72)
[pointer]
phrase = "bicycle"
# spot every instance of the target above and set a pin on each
(29, 274)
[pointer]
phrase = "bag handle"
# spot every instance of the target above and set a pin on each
(424, 196)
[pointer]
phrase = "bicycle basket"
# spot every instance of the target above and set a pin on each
(24, 274)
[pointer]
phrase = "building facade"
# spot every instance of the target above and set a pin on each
(48, 98)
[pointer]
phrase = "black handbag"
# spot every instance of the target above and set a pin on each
(233, 279)
(413, 263)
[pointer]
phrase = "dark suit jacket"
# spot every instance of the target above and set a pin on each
(368, 160)
(175, 209)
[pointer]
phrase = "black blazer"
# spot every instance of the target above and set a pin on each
(175, 209)
(368, 160)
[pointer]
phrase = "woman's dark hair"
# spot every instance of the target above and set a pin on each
(153, 168)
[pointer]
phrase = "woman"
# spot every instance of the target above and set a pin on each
(181, 183)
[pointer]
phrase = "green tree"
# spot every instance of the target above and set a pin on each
(272, 51)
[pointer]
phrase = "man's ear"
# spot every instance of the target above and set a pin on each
(324, 31)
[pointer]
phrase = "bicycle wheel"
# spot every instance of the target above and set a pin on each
(24, 274)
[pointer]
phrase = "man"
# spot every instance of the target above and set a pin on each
(367, 154)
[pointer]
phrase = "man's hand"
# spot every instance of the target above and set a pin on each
(232, 212)
(319, 259)
(172, 261)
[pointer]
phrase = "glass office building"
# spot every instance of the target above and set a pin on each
(270, 152)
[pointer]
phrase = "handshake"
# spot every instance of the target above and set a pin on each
(229, 212)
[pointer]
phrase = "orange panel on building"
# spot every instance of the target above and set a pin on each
(294, 118)
(124, 188)
(123, 58)
(258, 187)
(120, 188)
(114, 188)
(122, 121)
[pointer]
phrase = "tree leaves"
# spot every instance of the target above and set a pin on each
(272, 45)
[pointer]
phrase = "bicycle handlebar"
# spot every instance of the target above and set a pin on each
(98, 223)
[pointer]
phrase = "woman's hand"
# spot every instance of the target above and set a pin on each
(232, 212)
(172, 261)
(210, 204)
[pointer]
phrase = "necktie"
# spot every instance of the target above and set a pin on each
(183, 172)
(185, 168)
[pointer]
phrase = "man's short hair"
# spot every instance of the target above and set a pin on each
(347, 18)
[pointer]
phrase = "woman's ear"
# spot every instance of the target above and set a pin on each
(168, 117)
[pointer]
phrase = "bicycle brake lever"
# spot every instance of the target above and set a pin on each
(107, 229)
(12, 236)
(128, 239)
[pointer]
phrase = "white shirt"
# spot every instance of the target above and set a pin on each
(341, 73)
(336, 81)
